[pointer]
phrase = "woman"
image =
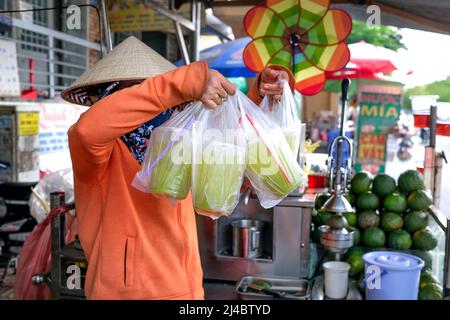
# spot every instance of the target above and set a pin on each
(138, 246)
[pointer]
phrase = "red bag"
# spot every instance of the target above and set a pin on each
(35, 258)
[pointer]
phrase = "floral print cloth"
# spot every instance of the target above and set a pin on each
(137, 139)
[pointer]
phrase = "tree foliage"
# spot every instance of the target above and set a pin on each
(440, 88)
(383, 36)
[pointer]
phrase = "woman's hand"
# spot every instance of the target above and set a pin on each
(217, 90)
(269, 85)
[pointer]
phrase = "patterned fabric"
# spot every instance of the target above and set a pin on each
(304, 36)
(136, 140)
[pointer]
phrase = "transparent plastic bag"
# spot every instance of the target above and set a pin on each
(166, 169)
(39, 203)
(284, 114)
(219, 160)
(272, 168)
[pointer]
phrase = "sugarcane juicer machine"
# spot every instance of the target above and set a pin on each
(338, 240)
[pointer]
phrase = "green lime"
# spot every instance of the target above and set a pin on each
(367, 201)
(337, 222)
(399, 240)
(425, 256)
(356, 264)
(391, 221)
(424, 240)
(431, 291)
(419, 200)
(426, 277)
(351, 217)
(383, 185)
(323, 216)
(368, 219)
(356, 235)
(409, 181)
(395, 203)
(374, 237)
(320, 200)
(360, 183)
(416, 220)
(358, 251)
(350, 198)
(315, 235)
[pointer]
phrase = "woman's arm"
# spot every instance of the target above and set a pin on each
(267, 84)
(91, 139)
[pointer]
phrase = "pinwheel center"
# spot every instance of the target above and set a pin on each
(294, 39)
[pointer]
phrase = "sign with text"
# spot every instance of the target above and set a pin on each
(131, 15)
(28, 123)
(378, 112)
(54, 122)
(9, 72)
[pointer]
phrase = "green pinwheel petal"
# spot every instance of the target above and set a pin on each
(335, 27)
(311, 12)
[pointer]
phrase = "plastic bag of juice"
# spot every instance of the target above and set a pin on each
(272, 168)
(284, 114)
(166, 169)
(219, 160)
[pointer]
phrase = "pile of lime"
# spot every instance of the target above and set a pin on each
(390, 215)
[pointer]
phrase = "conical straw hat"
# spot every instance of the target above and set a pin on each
(130, 60)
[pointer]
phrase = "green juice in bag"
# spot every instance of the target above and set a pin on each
(276, 168)
(171, 175)
(293, 140)
(217, 180)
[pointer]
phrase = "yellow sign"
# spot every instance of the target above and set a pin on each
(28, 123)
(131, 15)
(372, 148)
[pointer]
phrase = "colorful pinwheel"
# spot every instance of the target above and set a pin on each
(304, 36)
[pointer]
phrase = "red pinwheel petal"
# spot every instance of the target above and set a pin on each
(262, 22)
(327, 58)
(259, 52)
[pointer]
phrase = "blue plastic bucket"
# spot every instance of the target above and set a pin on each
(391, 275)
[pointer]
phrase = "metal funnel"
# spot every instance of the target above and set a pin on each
(337, 204)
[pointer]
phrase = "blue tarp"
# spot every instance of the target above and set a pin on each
(227, 58)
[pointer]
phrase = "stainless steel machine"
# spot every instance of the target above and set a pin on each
(338, 240)
(283, 240)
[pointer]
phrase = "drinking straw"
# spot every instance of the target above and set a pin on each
(268, 149)
(187, 126)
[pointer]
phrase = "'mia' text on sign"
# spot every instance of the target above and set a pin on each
(378, 112)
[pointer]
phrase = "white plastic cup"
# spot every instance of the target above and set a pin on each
(336, 279)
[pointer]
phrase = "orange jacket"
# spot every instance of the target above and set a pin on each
(138, 246)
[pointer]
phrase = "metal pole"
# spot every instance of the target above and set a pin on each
(51, 66)
(439, 163)
(430, 153)
(196, 8)
(57, 226)
(106, 28)
(433, 120)
(180, 36)
(171, 15)
(344, 92)
(181, 42)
